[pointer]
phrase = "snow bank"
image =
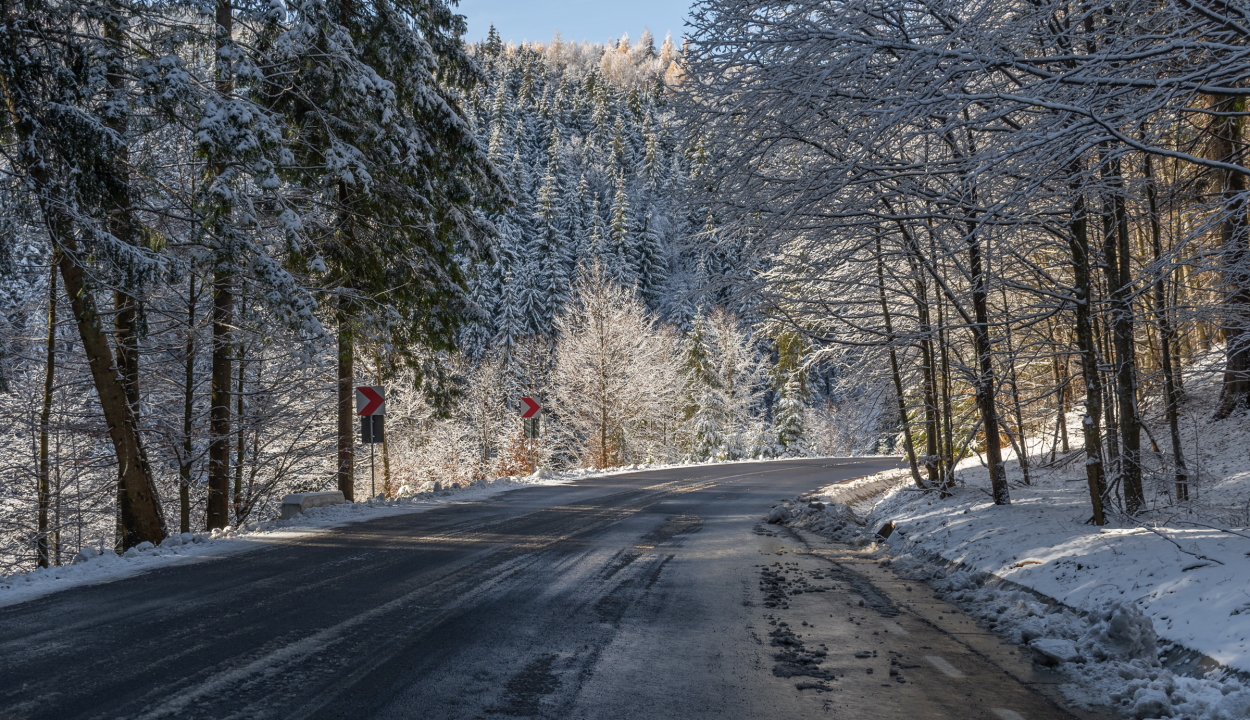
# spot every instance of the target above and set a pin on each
(1121, 610)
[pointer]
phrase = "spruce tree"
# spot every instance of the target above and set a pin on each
(624, 259)
(791, 408)
(381, 139)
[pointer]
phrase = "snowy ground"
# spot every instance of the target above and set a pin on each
(101, 564)
(1110, 606)
(1124, 609)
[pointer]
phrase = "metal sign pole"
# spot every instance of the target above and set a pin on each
(371, 407)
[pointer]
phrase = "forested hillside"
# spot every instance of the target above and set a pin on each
(812, 228)
(597, 168)
(217, 220)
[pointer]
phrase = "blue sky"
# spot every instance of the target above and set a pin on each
(596, 21)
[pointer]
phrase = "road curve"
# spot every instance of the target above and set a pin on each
(650, 595)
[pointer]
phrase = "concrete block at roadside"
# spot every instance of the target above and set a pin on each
(296, 503)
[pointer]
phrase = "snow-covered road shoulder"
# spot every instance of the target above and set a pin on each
(1127, 598)
(1191, 582)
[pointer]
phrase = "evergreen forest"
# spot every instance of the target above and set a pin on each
(1006, 234)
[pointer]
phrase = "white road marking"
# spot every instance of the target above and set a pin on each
(894, 627)
(941, 664)
(1005, 714)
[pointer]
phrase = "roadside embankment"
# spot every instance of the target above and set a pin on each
(1154, 619)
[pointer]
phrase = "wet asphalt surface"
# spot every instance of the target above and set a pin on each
(651, 595)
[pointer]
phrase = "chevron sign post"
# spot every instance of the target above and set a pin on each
(529, 416)
(371, 407)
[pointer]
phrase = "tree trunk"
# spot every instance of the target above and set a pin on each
(240, 510)
(932, 416)
(218, 510)
(141, 516)
(139, 509)
(1087, 351)
(985, 361)
(948, 429)
(121, 223)
(188, 414)
(218, 513)
(908, 445)
(1228, 146)
(1061, 401)
(1171, 397)
(346, 407)
(1120, 282)
(45, 418)
(1018, 438)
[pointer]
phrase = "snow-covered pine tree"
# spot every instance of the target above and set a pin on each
(65, 92)
(790, 410)
(623, 246)
(703, 411)
(398, 175)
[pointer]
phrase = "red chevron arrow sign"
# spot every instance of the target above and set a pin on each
(370, 400)
(531, 407)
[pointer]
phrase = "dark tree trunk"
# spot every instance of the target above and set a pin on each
(1061, 402)
(1087, 351)
(121, 223)
(188, 413)
(141, 516)
(908, 444)
(240, 448)
(218, 507)
(346, 409)
(45, 421)
(218, 514)
(1120, 283)
(1227, 145)
(1171, 397)
(948, 430)
(932, 417)
(1018, 439)
(985, 363)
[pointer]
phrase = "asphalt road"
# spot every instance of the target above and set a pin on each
(651, 595)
